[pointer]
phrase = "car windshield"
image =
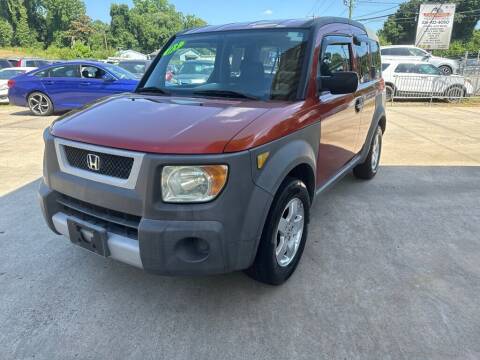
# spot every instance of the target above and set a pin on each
(137, 68)
(119, 72)
(261, 64)
(8, 73)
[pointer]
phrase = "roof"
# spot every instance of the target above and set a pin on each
(275, 24)
(397, 46)
(405, 62)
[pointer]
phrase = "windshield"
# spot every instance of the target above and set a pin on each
(8, 74)
(263, 64)
(119, 72)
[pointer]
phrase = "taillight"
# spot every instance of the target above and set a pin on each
(10, 83)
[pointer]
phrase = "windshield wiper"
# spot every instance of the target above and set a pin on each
(153, 89)
(226, 93)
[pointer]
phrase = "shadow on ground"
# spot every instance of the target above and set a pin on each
(391, 270)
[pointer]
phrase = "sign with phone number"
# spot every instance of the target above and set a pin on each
(435, 24)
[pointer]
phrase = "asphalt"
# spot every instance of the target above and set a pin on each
(391, 270)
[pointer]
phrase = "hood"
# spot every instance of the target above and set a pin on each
(155, 124)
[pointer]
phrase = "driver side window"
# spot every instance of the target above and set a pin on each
(93, 72)
(335, 58)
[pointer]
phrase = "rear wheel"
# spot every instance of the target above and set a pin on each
(284, 234)
(455, 94)
(446, 70)
(368, 169)
(40, 104)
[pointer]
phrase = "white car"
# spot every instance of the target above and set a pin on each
(5, 75)
(420, 79)
(413, 53)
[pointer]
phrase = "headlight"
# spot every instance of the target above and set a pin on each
(198, 183)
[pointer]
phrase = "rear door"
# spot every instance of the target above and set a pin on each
(368, 66)
(62, 86)
(340, 122)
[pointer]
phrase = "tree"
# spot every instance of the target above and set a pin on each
(80, 29)
(59, 14)
(119, 27)
(191, 21)
(401, 27)
(6, 33)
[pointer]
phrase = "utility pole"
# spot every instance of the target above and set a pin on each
(350, 4)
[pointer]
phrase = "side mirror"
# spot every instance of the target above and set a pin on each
(342, 82)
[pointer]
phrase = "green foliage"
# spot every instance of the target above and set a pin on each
(401, 27)
(64, 31)
(6, 33)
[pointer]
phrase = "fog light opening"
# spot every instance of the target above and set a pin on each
(192, 249)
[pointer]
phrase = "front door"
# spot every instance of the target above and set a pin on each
(61, 84)
(340, 122)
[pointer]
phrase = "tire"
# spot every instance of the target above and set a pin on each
(40, 104)
(279, 251)
(368, 169)
(455, 93)
(389, 92)
(446, 70)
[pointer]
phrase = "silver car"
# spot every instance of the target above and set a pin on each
(413, 53)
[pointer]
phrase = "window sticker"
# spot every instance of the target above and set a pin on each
(174, 47)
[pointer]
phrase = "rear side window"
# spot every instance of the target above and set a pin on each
(405, 68)
(399, 51)
(67, 71)
(30, 63)
(42, 74)
(385, 66)
(336, 57)
(363, 62)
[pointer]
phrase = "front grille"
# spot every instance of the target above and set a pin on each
(113, 221)
(110, 165)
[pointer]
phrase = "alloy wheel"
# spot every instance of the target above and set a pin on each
(39, 104)
(376, 150)
(289, 232)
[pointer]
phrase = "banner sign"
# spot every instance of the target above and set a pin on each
(435, 24)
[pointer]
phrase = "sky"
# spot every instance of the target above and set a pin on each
(226, 11)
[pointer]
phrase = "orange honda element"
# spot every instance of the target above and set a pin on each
(212, 163)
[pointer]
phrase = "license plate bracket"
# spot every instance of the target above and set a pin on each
(88, 236)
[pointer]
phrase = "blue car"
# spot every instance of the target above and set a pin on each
(68, 85)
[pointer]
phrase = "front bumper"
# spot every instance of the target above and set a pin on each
(215, 237)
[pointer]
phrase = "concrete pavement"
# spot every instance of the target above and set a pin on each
(391, 270)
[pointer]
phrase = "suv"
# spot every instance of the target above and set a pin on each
(218, 176)
(413, 53)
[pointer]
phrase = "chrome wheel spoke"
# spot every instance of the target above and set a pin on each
(289, 232)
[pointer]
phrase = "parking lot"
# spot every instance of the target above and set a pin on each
(391, 269)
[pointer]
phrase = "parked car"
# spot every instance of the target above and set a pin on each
(218, 176)
(422, 79)
(68, 85)
(5, 75)
(4, 63)
(193, 72)
(28, 62)
(136, 67)
(413, 53)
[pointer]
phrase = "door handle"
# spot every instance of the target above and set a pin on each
(359, 104)
(49, 82)
(84, 83)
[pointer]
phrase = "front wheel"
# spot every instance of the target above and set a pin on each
(368, 169)
(284, 234)
(40, 104)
